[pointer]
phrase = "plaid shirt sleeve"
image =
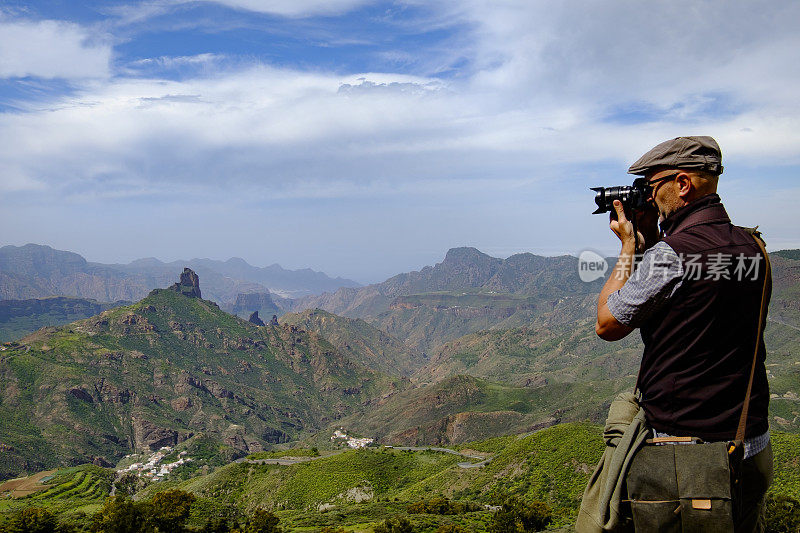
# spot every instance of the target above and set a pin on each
(650, 287)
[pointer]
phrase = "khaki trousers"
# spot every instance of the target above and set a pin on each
(756, 479)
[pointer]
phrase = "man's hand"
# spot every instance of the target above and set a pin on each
(646, 222)
(607, 326)
(622, 227)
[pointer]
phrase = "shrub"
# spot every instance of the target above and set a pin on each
(443, 506)
(262, 521)
(516, 516)
(31, 520)
(216, 525)
(451, 528)
(119, 514)
(397, 524)
(783, 514)
(169, 510)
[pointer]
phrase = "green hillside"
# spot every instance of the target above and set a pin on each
(359, 341)
(358, 489)
(523, 356)
(463, 408)
(425, 321)
(788, 254)
(158, 371)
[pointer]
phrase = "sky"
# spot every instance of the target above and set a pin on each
(366, 138)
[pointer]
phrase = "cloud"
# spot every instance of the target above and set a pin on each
(52, 49)
(178, 61)
(293, 8)
(547, 101)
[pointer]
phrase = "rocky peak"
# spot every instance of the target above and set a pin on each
(274, 321)
(254, 319)
(189, 284)
(468, 255)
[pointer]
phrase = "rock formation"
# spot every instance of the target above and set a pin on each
(189, 284)
(259, 301)
(255, 320)
(274, 321)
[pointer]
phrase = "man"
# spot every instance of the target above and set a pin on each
(697, 313)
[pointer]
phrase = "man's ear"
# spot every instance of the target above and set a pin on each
(685, 186)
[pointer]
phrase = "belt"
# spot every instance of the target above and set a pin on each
(752, 446)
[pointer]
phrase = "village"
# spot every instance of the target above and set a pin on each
(353, 442)
(152, 467)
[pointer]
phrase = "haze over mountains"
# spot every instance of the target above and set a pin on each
(37, 271)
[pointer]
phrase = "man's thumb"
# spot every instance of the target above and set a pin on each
(620, 211)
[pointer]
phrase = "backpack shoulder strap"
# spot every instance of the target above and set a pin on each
(740, 431)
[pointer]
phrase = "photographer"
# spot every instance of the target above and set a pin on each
(699, 297)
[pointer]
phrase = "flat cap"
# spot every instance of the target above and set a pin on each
(700, 153)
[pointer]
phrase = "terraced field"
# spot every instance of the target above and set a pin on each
(79, 489)
(79, 483)
(25, 486)
(358, 489)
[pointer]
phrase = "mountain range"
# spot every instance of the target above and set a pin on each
(160, 370)
(472, 347)
(36, 271)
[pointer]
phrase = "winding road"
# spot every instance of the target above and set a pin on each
(287, 461)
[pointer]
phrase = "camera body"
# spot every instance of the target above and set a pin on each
(633, 197)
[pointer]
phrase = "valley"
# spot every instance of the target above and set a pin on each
(490, 358)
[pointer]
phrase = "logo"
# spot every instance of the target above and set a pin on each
(591, 266)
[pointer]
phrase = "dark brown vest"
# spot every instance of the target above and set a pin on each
(699, 350)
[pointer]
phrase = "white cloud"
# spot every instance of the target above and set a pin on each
(543, 81)
(293, 8)
(51, 49)
(178, 61)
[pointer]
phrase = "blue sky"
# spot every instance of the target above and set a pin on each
(366, 138)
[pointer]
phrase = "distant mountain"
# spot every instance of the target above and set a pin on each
(21, 317)
(552, 368)
(155, 372)
(265, 303)
(463, 269)
(788, 254)
(467, 292)
(360, 341)
(534, 356)
(36, 271)
(425, 321)
(284, 283)
(785, 304)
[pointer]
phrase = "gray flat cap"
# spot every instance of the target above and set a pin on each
(700, 153)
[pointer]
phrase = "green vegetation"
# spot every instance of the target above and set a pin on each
(359, 341)
(168, 366)
(783, 514)
(787, 254)
(534, 479)
(442, 506)
(517, 516)
(293, 452)
(394, 525)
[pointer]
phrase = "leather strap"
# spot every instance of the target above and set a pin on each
(740, 431)
(674, 440)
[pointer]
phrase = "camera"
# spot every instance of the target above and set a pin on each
(633, 197)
